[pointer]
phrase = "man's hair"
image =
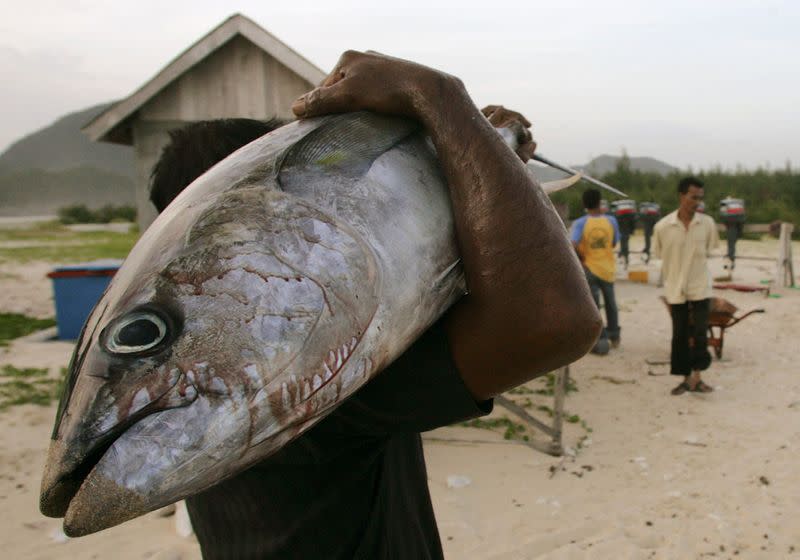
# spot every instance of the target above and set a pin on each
(196, 148)
(591, 199)
(686, 182)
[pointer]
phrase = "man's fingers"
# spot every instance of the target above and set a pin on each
(526, 151)
(489, 110)
(340, 70)
(526, 135)
(500, 116)
(323, 100)
(332, 78)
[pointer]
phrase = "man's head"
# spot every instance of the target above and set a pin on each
(591, 199)
(196, 148)
(690, 191)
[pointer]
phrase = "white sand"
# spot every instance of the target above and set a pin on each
(662, 477)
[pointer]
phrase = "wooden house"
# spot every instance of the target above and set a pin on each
(238, 69)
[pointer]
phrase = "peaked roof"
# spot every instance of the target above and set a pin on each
(103, 126)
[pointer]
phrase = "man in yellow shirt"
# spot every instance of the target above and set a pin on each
(683, 241)
(594, 236)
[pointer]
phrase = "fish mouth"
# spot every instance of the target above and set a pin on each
(71, 463)
(58, 490)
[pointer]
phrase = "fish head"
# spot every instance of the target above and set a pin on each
(226, 332)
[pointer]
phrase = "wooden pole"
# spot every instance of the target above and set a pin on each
(511, 406)
(555, 431)
(560, 391)
(784, 270)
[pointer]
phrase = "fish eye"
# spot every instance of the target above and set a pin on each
(137, 332)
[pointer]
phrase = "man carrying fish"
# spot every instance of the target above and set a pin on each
(354, 484)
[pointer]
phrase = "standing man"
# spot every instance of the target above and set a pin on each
(649, 213)
(594, 236)
(625, 214)
(683, 240)
(354, 486)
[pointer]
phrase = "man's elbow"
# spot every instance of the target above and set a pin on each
(579, 328)
(583, 329)
(566, 336)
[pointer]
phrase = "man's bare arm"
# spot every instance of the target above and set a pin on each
(528, 310)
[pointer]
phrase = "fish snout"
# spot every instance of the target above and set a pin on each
(90, 427)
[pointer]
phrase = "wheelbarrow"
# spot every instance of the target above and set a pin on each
(721, 316)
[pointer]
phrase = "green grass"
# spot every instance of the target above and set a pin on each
(14, 325)
(35, 232)
(511, 429)
(28, 386)
(64, 245)
(550, 385)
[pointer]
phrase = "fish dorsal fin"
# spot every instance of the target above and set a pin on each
(345, 144)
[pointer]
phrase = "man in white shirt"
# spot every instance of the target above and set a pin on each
(683, 240)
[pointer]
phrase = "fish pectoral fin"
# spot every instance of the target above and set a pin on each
(347, 143)
(560, 184)
(452, 277)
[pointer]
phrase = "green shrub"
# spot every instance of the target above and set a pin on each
(80, 214)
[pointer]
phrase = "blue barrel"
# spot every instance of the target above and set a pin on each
(77, 289)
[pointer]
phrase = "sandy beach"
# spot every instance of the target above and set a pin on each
(648, 475)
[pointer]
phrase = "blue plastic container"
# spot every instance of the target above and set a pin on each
(77, 289)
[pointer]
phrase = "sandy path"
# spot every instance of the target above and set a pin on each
(663, 477)
(671, 477)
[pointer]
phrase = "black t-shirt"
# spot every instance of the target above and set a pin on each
(354, 486)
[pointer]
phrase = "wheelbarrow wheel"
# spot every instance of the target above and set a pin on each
(716, 342)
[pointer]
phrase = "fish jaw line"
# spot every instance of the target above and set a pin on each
(335, 362)
(165, 458)
(332, 365)
(61, 482)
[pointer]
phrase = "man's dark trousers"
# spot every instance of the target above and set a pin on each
(690, 323)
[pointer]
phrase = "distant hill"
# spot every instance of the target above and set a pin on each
(601, 165)
(59, 166)
(33, 192)
(62, 146)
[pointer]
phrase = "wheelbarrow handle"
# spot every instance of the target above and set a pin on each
(737, 319)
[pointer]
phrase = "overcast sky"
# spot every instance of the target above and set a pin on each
(693, 83)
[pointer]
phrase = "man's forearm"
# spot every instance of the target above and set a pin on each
(524, 280)
(529, 309)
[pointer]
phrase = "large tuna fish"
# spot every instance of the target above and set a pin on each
(270, 290)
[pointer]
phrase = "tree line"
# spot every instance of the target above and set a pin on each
(769, 195)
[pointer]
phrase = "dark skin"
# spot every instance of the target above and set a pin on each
(529, 310)
(688, 204)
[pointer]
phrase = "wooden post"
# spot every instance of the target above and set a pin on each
(554, 431)
(784, 270)
(560, 391)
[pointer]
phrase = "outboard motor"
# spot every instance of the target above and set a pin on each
(649, 214)
(732, 214)
(625, 212)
